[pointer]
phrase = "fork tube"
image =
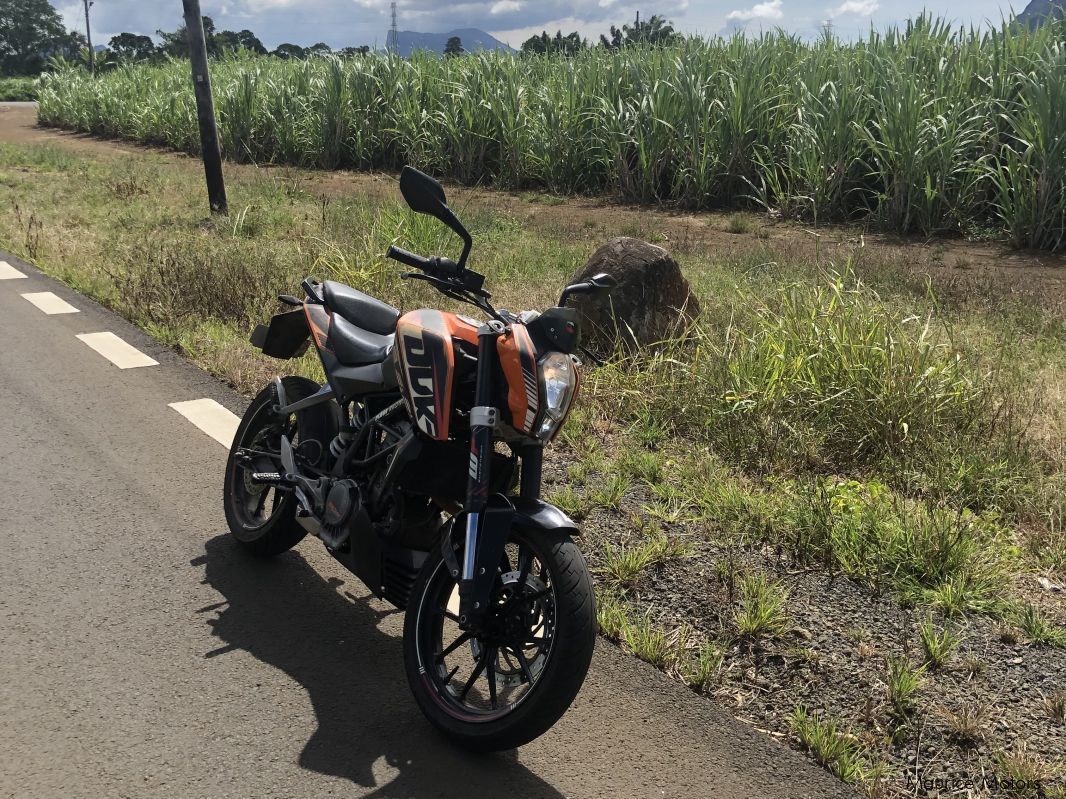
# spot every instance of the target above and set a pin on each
(532, 464)
(482, 424)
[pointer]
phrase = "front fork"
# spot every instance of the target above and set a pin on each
(486, 521)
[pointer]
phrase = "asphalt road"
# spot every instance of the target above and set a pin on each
(142, 655)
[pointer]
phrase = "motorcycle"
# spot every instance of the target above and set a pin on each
(418, 464)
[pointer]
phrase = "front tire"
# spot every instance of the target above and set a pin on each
(511, 684)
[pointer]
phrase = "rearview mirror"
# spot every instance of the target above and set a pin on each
(425, 195)
(594, 285)
(422, 193)
(603, 281)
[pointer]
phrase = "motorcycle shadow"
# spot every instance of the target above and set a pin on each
(289, 616)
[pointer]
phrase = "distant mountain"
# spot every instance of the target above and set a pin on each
(1040, 11)
(472, 38)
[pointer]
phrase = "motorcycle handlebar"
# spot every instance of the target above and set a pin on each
(438, 267)
(409, 259)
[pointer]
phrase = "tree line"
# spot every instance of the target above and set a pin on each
(32, 33)
(655, 31)
(129, 46)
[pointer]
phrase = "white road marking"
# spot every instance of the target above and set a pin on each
(8, 272)
(123, 355)
(50, 303)
(210, 417)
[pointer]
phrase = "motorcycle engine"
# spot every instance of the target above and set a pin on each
(344, 504)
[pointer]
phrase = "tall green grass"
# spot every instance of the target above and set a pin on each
(18, 90)
(820, 375)
(808, 383)
(923, 128)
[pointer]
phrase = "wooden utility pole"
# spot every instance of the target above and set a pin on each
(205, 107)
(89, 39)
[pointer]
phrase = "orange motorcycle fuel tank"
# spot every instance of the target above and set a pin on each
(426, 342)
(518, 360)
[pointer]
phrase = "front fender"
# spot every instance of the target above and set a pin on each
(535, 513)
(497, 519)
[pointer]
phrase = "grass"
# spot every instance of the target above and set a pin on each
(648, 642)
(738, 224)
(822, 373)
(904, 682)
(706, 667)
(608, 492)
(761, 610)
(938, 646)
(698, 663)
(1023, 771)
(926, 552)
(972, 666)
(572, 502)
(1036, 626)
(636, 632)
(1007, 635)
(19, 90)
(952, 559)
(968, 725)
(1055, 703)
(624, 564)
(919, 128)
(641, 465)
(832, 746)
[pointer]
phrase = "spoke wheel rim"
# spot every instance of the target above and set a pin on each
(484, 678)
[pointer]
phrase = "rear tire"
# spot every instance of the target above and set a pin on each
(262, 532)
(541, 683)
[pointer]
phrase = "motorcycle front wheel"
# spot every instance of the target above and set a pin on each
(509, 684)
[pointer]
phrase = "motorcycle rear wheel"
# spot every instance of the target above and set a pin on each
(509, 685)
(260, 518)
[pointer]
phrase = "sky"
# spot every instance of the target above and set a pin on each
(340, 23)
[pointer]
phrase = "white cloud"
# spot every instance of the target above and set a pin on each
(862, 8)
(588, 30)
(257, 6)
(768, 10)
(505, 7)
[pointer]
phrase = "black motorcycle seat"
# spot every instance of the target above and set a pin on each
(359, 308)
(355, 346)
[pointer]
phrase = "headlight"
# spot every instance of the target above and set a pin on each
(558, 385)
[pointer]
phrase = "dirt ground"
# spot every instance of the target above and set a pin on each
(955, 267)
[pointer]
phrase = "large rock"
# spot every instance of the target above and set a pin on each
(651, 303)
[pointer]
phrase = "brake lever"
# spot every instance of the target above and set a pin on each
(436, 281)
